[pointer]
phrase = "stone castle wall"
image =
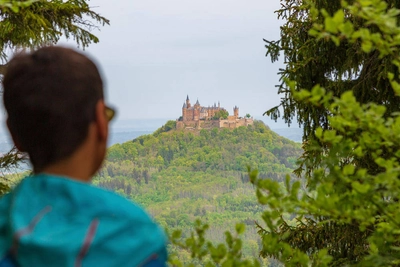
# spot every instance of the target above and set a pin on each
(208, 124)
(198, 117)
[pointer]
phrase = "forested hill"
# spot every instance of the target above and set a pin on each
(179, 175)
(201, 150)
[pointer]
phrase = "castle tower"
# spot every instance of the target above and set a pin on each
(188, 102)
(184, 109)
(236, 112)
(219, 105)
(196, 111)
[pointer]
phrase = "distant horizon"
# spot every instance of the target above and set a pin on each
(122, 130)
(265, 119)
(148, 124)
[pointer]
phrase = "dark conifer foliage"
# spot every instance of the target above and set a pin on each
(311, 61)
(334, 51)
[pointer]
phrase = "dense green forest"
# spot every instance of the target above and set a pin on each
(180, 175)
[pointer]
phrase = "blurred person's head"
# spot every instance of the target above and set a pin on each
(55, 107)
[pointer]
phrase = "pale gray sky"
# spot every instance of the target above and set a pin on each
(154, 53)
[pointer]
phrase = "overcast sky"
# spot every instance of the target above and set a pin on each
(154, 53)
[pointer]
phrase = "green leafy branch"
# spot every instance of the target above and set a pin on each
(205, 253)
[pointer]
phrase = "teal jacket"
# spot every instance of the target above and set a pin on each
(55, 221)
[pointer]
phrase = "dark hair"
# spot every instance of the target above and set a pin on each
(50, 96)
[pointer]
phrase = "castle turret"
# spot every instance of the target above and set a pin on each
(236, 112)
(188, 102)
(196, 111)
(184, 108)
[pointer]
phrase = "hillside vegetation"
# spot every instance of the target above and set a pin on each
(179, 175)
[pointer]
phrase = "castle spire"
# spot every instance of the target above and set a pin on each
(188, 102)
(236, 111)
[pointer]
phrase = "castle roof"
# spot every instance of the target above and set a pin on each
(187, 97)
(184, 105)
(197, 102)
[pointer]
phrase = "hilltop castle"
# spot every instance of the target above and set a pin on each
(197, 117)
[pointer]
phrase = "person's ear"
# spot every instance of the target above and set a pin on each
(14, 138)
(101, 120)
